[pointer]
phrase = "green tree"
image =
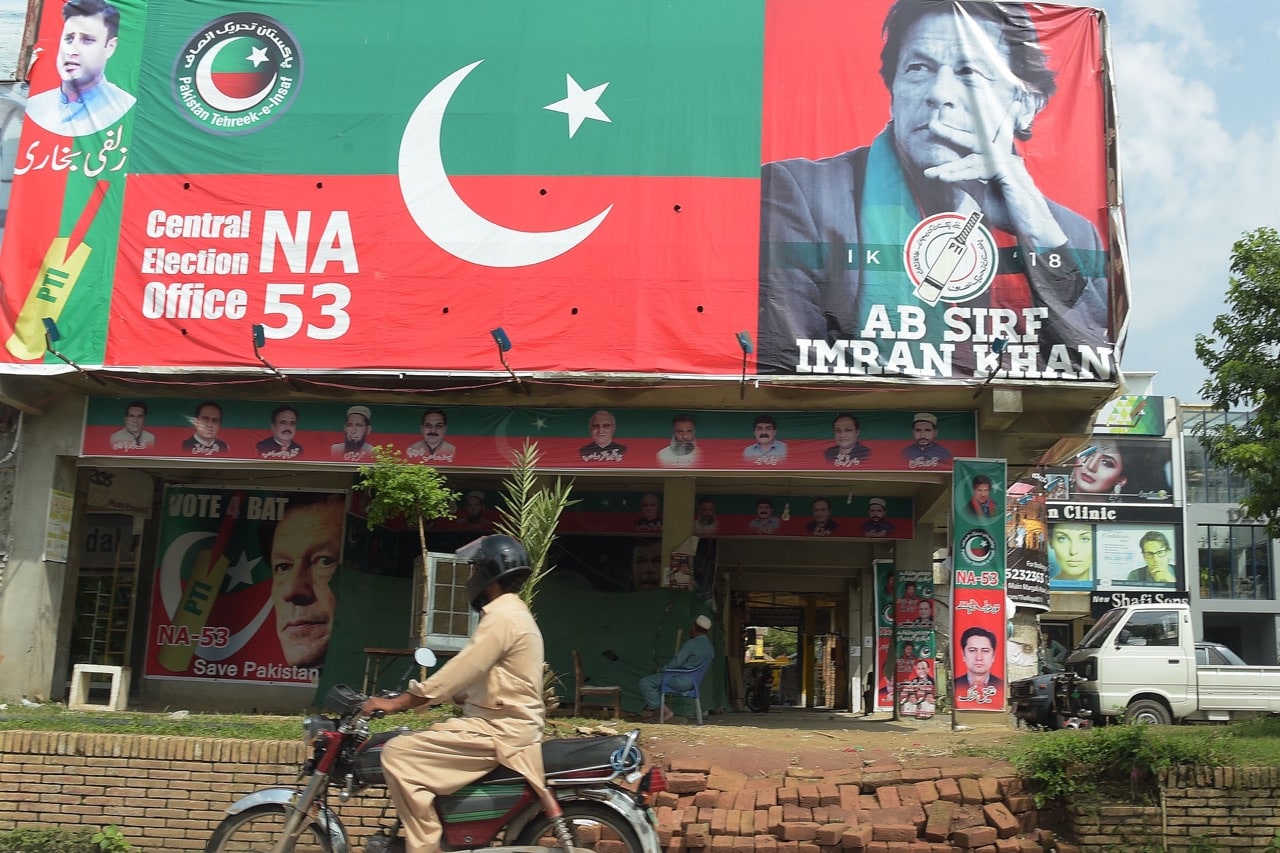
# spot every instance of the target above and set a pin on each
(397, 487)
(1243, 360)
(530, 512)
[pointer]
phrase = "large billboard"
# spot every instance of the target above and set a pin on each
(379, 186)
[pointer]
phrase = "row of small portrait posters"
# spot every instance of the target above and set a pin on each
(905, 672)
(488, 436)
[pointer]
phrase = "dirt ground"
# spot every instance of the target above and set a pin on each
(765, 744)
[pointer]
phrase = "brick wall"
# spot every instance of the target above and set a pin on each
(1234, 808)
(165, 793)
(168, 793)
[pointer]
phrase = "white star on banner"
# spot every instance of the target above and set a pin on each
(540, 423)
(580, 105)
(241, 572)
(258, 56)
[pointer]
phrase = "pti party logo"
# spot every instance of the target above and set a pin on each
(978, 547)
(950, 257)
(238, 73)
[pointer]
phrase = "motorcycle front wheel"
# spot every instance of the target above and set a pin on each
(589, 824)
(257, 829)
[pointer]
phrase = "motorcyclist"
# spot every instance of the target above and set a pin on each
(497, 679)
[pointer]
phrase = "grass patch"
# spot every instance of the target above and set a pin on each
(1122, 761)
(57, 718)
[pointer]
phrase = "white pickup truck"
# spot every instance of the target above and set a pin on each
(1141, 662)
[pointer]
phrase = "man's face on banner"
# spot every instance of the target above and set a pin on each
(924, 433)
(284, 427)
(602, 427)
(83, 51)
(356, 428)
(134, 419)
(433, 428)
(208, 422)
(304, 556)
(979, 656)
(952, 90)
(646, 565)
(846, 433)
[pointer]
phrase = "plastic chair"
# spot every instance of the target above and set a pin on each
(582, 690)
(665, 689)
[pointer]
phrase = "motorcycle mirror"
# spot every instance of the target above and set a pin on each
(424, 657)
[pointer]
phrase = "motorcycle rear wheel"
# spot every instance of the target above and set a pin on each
(257, 829)
(757, 700)
(588, 824)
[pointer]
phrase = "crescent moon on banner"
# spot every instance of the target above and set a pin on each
(215, 96)
(171, 594)
(445, 218)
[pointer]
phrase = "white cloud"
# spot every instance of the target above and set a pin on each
(1192, 187)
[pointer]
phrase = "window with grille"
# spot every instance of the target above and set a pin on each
(445, 617)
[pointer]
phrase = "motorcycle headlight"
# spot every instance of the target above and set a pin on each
(313, 725)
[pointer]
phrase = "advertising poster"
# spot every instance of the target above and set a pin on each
(244, 587)
(1131, 414)
(915, 669)
(1118, 469)
(978, 607)
(1131, 556)
(236, 167)
(1027, 576)
(1071, 555)
(568, 439)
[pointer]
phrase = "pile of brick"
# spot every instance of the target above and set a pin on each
(939, 809)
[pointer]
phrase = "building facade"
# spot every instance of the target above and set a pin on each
(248, 264)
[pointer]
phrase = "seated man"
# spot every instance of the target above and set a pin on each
(695, 651)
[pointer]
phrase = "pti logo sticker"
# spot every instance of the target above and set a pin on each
(977, 547)
(238, 73)
(950, 257)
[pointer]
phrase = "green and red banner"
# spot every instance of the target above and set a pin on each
(775, 515)
(469, 437)
(979, 606)
(379, 185)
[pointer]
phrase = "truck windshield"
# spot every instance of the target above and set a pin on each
(1098, 633)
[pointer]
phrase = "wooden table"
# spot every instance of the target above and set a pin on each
(376, 662)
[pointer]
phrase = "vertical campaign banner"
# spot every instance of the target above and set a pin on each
(978, 607)
(886, 592)
(244, 585)
(915, 665)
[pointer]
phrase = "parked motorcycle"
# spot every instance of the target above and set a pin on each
(759, 686)
(585, 804)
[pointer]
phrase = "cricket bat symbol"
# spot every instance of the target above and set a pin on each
(935, 280)
(193, 611)
(59, 271)
(197, 600)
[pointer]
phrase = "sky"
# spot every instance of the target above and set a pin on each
(1200, 161)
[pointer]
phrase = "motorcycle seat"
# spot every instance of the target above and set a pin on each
(570, 758)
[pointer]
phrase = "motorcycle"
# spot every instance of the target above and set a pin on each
(584, 802)
(759, 686)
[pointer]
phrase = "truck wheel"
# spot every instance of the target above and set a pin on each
(1148, 712)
